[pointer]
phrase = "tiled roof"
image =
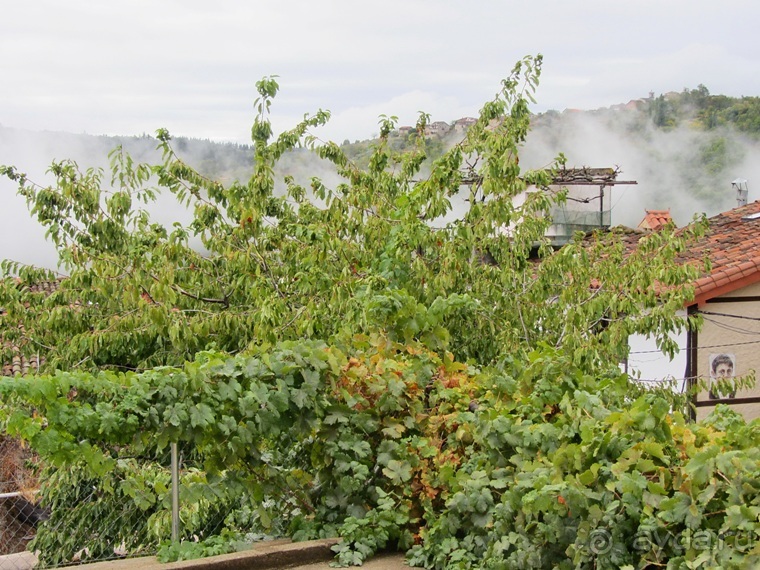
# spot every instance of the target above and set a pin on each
(732, 244)
(23, 360)
(20, 364)
(655, 219)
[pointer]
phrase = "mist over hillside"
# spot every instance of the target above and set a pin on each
(22, 239)
(683, 150)
(682, 168)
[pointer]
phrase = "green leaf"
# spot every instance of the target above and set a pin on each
(398, 471)
(201, 415)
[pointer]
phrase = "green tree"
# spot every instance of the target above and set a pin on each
(662, 112)
(531, 463)
(698, 97)
(403, 373)
(382, 250)
(744, 114)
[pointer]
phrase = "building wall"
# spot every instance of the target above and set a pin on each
(737, 337)
(647, 364)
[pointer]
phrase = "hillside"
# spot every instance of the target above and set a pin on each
(683, 149)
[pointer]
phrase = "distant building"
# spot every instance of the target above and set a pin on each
(464, 123)
(437, 128)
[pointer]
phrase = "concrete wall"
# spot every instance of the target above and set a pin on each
(738, 337)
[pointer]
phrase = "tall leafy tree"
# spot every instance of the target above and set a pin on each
(446, 256)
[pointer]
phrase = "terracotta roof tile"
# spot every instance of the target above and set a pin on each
(732, 244)
(721, 281)
(732, 271)
(20, 364)
(23, 360)
(655, 219)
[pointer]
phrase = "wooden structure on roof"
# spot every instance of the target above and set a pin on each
(580, 213)
(586, 176)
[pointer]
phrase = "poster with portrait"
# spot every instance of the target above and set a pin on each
(722, 367)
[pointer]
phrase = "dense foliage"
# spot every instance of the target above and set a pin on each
(531, 463)
(431, 259)
(414, 366)
(706, 111)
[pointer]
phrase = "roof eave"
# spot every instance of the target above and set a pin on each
(706, 289)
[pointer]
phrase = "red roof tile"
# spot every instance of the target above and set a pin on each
(732, 243)
(24, 359)
(655, 219)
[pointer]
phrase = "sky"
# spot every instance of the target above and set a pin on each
(131, 67)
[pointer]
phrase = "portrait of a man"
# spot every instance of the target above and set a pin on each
(722, 367)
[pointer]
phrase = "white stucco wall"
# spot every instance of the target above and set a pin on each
(647, 363)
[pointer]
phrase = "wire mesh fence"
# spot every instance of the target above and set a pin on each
(19, 512)
(126, 512)
(19, 517)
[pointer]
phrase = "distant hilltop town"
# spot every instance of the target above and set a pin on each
(441, 128)
(671, 99)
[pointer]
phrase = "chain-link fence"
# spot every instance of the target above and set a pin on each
(139, 503)
(19, 517)
(19, 513)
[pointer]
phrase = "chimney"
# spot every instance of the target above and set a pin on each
(655, 220)
(740, 185)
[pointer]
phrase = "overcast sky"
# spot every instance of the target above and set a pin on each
(130, 67)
